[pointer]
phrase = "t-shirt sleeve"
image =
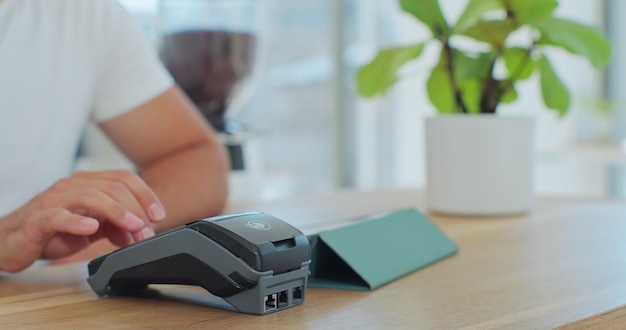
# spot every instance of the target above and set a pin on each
(129, 70)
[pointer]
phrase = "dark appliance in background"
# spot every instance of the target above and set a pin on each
(210, 48)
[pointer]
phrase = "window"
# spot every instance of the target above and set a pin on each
(312, 133)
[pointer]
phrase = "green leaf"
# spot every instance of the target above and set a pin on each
(576, 38)
(440, 90)
(525, 10)
(469, 72)
(518, 62)
(554, 92)
(381, 73)
(471, 90)
(509, 94)
(467, 67)
(429, 13)
(491, 32)
(474, 11)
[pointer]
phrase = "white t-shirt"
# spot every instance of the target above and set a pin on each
(62, 64)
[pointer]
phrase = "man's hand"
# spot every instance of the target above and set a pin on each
(75, 211)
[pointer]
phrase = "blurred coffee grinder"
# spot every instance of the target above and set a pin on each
(210, 47)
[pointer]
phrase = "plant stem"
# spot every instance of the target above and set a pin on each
(491, 94)
(458, 96)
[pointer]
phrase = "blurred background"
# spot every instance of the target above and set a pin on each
(303, 129)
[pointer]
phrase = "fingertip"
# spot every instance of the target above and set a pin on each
(88, 225)
(146, 232)
(157, 212)
(134, 222)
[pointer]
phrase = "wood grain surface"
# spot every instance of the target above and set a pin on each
(561, 265)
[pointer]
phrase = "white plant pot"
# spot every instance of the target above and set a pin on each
(479, 165)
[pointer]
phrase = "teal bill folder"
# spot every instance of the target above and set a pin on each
(371, 253)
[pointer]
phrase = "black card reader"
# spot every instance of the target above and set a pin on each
(257, 263)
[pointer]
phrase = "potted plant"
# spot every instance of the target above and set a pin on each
(479, 163)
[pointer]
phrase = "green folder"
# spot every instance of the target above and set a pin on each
(374, 252)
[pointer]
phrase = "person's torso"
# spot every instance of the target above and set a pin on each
(47, 82)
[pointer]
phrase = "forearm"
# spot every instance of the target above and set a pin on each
(177, 155)
(192, 183)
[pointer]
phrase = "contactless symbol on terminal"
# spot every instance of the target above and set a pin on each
(259, 225)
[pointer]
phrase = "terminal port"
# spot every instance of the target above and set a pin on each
(283, 299)
(298, 294)
(271, 302)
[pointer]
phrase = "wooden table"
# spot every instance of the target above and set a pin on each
(564, 264)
